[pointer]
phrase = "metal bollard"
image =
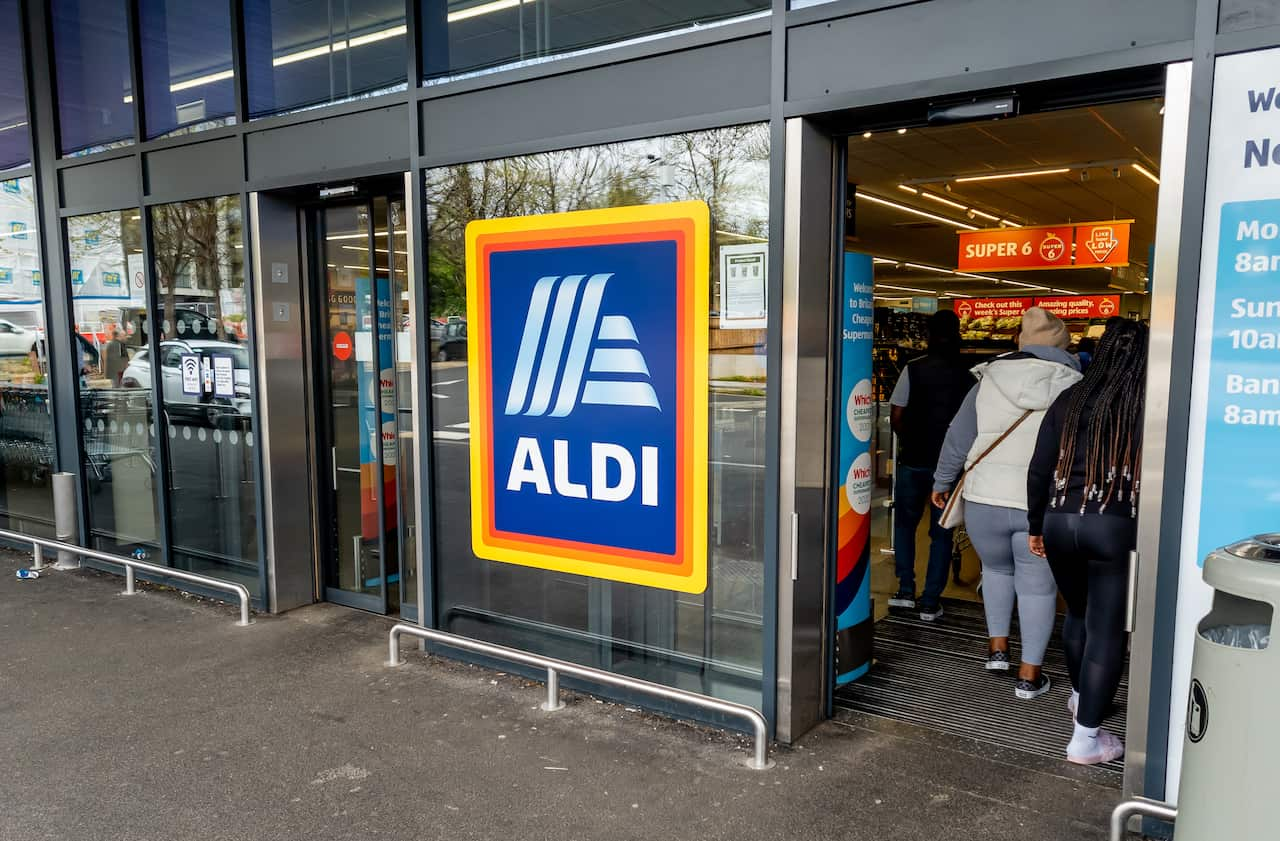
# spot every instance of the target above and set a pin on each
(553, 701)
(64, 518)
(37, 557)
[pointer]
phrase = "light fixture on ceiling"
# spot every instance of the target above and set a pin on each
(338, 46)
(915, 210)
(486, 9)
(923, 267)
(904, 289)
(207, 79)
(1146, 173)
(902, 131)
(943, 200)
(1022, 285)
(866, 135)
(969, 210)
(1001, 176)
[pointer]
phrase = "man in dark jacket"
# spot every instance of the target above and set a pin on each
(925, 400)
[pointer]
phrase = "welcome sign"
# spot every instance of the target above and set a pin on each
(587, 359)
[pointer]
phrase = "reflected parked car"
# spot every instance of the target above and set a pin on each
(16, 340)
(202, 406)
(449, 342)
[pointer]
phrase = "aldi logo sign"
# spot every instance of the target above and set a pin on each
(587, 352)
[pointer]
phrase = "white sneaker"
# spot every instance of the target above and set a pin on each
(1073, 704)
(1107, 747)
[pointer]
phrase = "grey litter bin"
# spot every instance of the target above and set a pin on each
(1230, 785)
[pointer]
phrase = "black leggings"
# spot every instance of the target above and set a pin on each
(1089, 556)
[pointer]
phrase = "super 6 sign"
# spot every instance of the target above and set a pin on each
(587, 352)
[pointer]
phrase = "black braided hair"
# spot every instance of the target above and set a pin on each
(1113, 391)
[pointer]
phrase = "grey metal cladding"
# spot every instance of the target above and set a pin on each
(952, 38)
(103, 185)
(345, 143)
(204, 169)
(583, 108)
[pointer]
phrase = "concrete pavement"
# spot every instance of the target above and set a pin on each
(155, 717)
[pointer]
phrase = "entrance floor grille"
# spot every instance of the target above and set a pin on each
(931, 674)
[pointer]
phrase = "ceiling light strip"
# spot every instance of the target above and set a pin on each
(485, 9)
(1146, 173)
(1001, 176)
(914, 210)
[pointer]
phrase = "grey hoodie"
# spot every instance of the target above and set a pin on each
(1025, 389)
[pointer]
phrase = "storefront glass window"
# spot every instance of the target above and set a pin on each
(26, 421)
(15, 148)
(91, 54)
(205, 363)
(299, 55)
(463, 36)
(710, 642)
(186, 65)
(117, 434)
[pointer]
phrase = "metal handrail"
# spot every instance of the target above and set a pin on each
(760, 761)
(38, 544)
(1139, 806)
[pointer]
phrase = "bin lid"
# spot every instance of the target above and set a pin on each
(1264, 547)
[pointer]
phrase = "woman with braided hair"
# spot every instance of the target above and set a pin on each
(1082, 494)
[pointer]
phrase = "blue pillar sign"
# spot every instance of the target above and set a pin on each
(1233, 444)
(852, 506)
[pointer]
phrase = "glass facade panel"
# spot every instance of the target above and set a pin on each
(91, 57)
(187, 79)
(110, 340)
(463, 36)
(711, 642)
(1238, 15)
(15, 146)
(300, 55)
(205, 367)
(26, 420)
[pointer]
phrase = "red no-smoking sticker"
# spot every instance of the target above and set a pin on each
(342, 346)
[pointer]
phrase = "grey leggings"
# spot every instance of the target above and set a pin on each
(999, 535)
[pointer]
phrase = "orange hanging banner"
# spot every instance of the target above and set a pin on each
(1103, 244)
(1045, 247)
(1015, 249)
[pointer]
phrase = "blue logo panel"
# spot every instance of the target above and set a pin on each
(565, 400)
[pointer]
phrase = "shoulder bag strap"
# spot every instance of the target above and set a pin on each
(1001, 439)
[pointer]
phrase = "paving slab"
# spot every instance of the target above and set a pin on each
(154, 717)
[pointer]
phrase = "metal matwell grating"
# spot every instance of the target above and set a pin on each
(931, 674)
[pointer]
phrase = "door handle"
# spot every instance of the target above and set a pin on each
(1131, 608)
(333, 462)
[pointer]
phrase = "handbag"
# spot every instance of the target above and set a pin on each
(953, 512)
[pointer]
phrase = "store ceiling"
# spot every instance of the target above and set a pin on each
(1099, 145)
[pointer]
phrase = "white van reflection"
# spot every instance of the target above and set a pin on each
(189, 407)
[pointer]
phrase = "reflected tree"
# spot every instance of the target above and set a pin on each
(727, 168)
(194, 254)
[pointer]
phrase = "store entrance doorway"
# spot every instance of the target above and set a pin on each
(1050, 204)
(359, 312)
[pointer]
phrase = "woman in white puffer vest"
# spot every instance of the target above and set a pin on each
(995, 489)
